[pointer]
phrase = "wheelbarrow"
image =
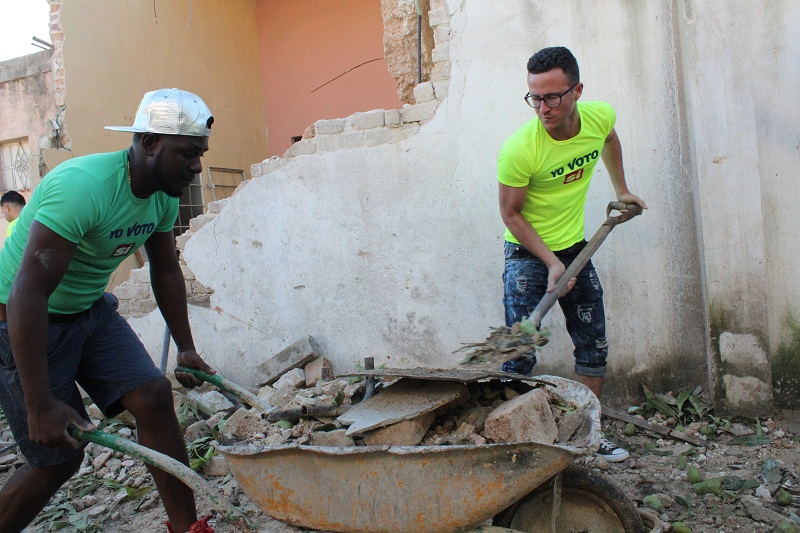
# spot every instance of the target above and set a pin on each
(527, 486)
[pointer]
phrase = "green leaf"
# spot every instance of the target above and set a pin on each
(759, 429)
(138, 494)
(682, 397)
(284, 424)
(657, 404)
(699, 409)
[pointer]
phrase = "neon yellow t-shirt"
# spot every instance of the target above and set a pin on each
(556, 173)
(88, 201)
(10, 227)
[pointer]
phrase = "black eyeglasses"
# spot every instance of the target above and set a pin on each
(552, 100)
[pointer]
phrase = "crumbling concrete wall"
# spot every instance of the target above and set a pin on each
(385, 240)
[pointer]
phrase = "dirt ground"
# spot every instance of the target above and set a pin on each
(757, 462)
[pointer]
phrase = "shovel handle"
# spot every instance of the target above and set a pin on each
(186, 475)
(244, 395)
(627, 212)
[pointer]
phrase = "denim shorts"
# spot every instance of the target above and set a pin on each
(96, 349)
(525, 283)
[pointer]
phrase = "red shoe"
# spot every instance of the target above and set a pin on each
(201, 526)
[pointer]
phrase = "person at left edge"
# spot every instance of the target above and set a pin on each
(58, 327)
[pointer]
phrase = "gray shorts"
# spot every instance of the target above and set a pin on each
(96, 349)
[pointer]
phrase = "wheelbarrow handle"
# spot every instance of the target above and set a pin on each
(186, 475)
(219, 381)
(627, 212)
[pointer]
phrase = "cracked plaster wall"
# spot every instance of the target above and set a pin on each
(394, 249)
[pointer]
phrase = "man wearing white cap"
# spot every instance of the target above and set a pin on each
(57, 325)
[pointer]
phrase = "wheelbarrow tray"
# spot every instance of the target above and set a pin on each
(404, 489)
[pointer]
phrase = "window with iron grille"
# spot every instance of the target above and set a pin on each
(216, 184)
(16, 165)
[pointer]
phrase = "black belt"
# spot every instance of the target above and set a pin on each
(52, 318)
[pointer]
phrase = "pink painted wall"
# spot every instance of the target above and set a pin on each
(306, 43)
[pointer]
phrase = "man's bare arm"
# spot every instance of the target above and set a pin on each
(612, 159)
(44, 263)
(511, 201)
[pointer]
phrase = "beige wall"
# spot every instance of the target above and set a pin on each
(306, 43)
(114, 52)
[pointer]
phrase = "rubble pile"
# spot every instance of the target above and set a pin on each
(404, 412)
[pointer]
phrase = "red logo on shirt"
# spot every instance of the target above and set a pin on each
(573, 176)
(122, 249)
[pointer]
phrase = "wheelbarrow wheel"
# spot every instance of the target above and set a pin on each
(589, 503)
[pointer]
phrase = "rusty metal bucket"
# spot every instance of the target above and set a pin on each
(381, 489)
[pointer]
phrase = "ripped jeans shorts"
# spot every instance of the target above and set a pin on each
(524, 284)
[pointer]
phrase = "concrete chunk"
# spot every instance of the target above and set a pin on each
(331, 438)
(405, 400)
(215, 402)
(292, 380)
(298, 354)
(525, 418)
(319, 369)
(405, 433)
(216, 466)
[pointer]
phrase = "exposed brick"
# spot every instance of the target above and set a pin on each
(441, 88)
(217, 205)
(187, 272)
(437, 17)
(424, 92)
(329, 127)
(419, 112)
(139, 308)
(405, 433)
(131, 291)
(182, 239)
(342, 141)
(368, 120)
(440, 71)
(441, 34)
(198, 222)
(393, 119)
(140, 275)
(525, 418)
(441, 53)
(304, 147)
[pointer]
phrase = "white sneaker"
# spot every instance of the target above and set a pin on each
(611, 452)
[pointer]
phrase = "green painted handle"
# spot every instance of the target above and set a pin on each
(189, 477)
(244, 395)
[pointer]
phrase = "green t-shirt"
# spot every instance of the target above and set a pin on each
(556, 173)
(88, 201)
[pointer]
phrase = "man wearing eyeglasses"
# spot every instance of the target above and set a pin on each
(544, 171)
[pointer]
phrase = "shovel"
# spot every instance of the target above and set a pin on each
(189, 477)
(505, 343)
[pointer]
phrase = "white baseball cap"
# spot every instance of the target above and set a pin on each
(171, 112)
